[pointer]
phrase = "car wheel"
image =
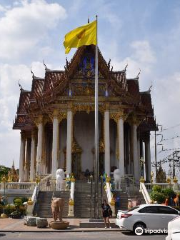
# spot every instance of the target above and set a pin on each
(139, 228)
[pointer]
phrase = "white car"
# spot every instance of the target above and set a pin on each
(174, 229)
(146, 217)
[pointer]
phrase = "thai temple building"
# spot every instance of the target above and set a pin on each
(56, 121)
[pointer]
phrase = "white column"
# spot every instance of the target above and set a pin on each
(138, 155)
(121, 144)
(32, 172)
(69, 143)
(107, 142)
(26, 161)
(55, 145)
(39, 148)
(21, 159)
(136, 161)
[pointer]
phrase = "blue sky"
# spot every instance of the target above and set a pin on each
(145, 34)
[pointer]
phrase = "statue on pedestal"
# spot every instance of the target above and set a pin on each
(59, 179)
(57, 205)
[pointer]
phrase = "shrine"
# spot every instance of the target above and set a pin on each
(56, 120)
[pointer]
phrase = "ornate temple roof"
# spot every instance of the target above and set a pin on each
(76, 82)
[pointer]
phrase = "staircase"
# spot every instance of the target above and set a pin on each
(124, 196)
(123, 203)
(129, 190)
(43, 205)
(84, 200)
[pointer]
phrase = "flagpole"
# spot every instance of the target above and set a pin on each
(96, 167)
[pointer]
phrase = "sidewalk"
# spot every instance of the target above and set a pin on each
(17, 225)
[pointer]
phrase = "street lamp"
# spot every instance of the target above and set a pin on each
(159, 134)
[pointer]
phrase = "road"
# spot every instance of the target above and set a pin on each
(77, 236)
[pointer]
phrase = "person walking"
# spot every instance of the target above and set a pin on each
(107, 213)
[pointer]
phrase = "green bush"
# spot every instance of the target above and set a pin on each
(169, 193)
(17, 201)
(159, 197)
(16, 214)
(156, 188)
(9, 208)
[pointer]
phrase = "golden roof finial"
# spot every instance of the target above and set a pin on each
(13, 164)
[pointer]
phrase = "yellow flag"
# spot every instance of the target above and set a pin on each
(84, 35)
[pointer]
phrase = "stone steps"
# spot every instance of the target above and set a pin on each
(43, 206)
(84, 206)
(83, 200)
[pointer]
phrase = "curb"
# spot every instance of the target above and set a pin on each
(70, 230)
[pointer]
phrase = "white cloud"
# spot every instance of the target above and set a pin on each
(24, 26)
(143, 52)
(2, 9)
(132, 69)
(142, 57)
(9, 77)
(166, 97)
(46, 51)
(9, 97)
(38, 69)
(9, 147)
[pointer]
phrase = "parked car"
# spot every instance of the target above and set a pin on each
(146, 217)
(174, 229)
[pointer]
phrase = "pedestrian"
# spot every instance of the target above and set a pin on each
(107, 213)
(138, 201)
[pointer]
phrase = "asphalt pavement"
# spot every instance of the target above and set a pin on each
(109, 235)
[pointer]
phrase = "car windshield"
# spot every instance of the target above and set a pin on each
(136, 207)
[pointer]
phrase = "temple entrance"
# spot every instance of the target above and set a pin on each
(101, 164)
(76, 159)
(76, 165)
(101, 157)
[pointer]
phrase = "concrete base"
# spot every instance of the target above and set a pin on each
(96, 220)
(95, 223)
(41, 222)
(59, 225)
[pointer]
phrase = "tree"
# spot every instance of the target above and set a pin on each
(3, 171)
(161, 176)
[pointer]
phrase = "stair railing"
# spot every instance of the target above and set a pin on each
(20, 185)
(145, 193)
(71, 198)
(32, 201)
(131, 185)
(110, 197)
(47, 183)
(91, 203)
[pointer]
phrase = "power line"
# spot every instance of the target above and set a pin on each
(165, 129)
(170, 149)
(167, 139)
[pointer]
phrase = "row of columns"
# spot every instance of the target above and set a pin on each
(119, 118)
(40, 168)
